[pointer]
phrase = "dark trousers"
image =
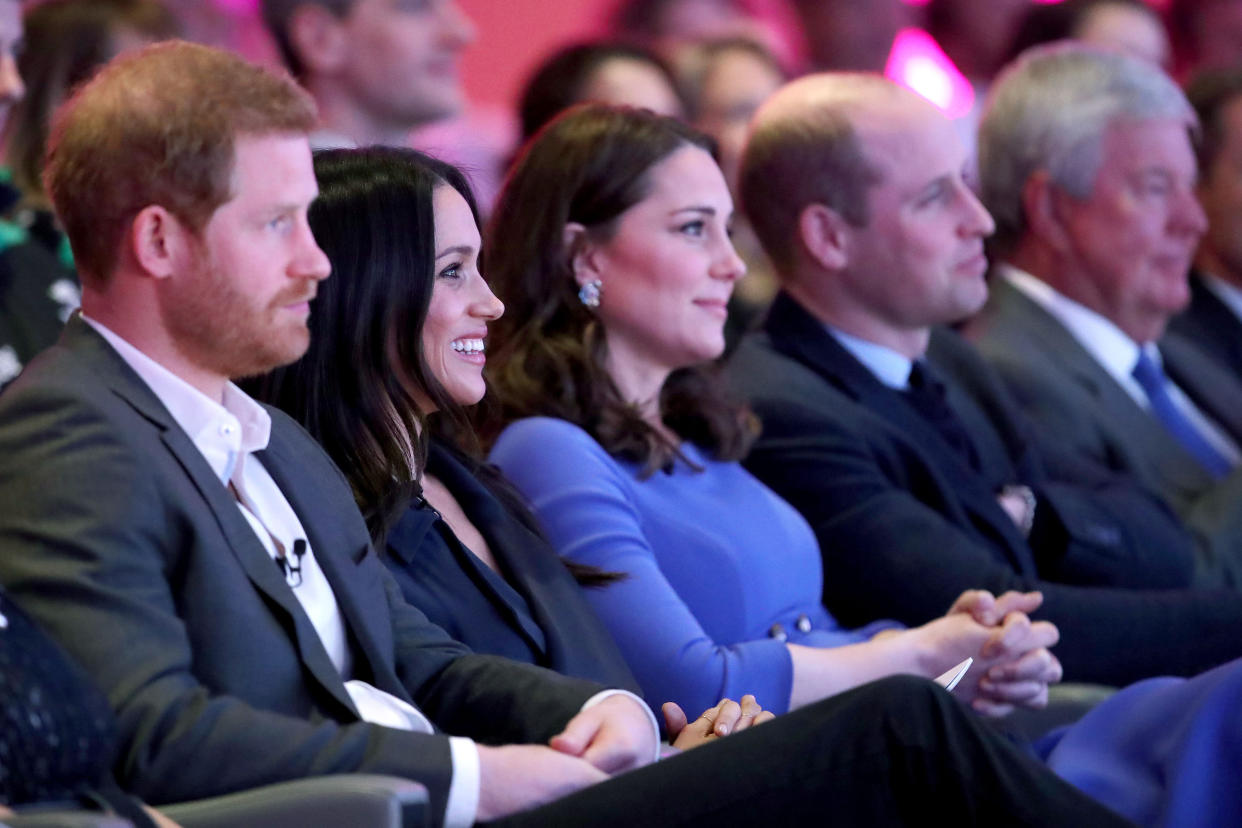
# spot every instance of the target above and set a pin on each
(900, 751)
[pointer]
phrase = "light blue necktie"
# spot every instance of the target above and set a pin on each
(1150, 376)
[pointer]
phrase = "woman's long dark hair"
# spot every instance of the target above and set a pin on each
(354, 388)
(588, 166)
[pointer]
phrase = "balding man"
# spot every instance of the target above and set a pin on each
(377, 69)
(1086, 162)
(896, 443)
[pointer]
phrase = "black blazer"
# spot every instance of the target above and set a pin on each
(535, 613)
(905, 525)
(1211, 326)
(123, 544)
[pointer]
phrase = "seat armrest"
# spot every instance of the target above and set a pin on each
(356, 800)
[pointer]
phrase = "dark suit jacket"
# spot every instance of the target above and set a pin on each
(535, 613)
(1067, 393)
(905, 525)
(1211, 326)
(121, 541)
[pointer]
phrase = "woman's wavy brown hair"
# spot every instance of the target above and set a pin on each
(588, 166)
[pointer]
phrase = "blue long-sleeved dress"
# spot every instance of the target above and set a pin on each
(720, 569)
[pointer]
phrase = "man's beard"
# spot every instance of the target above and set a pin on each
(221, 329)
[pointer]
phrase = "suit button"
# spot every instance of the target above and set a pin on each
(778, 632)
(803, 624)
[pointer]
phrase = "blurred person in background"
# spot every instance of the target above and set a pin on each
(1213, 321)
(669, 26)
(66, 42)
(1207, 34)
(1129, 26)
(376, 68)
(975, 34)
(725, 81)
(601, 71)
(850, 34)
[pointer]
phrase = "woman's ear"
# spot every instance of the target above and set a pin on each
(581, 253)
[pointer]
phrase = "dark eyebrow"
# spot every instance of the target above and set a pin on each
(706, 211)
(462, 249)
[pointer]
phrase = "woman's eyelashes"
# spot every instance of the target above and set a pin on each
(452, 272)
(694, 229)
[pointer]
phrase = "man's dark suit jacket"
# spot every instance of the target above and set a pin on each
(121, 541)
(905, 525)
(535, 613)
(1066, 392)
(1210, 325)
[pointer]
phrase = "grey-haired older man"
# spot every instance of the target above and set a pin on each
(1086, 162)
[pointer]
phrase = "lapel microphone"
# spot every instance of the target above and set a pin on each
(292, 569)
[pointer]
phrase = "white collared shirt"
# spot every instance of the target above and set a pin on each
(1227, 292)
(888, 366)
(227, 435)
(1115, 352)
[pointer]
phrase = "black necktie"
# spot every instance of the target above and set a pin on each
(929, 397)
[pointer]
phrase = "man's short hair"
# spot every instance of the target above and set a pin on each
(1210, 93)
(278, 13)
(808, 155)
(1049, 110)
(158, 127)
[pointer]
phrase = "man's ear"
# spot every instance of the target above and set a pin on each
(316, 37)
(582, 255)
(160, 242)
(824, 236)
(1044, 208)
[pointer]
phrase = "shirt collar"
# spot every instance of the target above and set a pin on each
(1115, 351)
(223, 433)
(1226, 292)
(888, 366)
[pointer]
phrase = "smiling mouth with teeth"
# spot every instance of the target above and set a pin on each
(468, 346)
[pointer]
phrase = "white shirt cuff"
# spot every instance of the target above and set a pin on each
(655, 728)
(463, 795)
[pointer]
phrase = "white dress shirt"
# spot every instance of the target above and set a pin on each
(890, 367)
(228, 435)
(1115, 352)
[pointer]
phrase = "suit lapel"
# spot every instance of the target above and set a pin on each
(338, 554)
(1211, 324)
(1215, 391)
(504, 538)
(1127, 422)
(798, 335)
